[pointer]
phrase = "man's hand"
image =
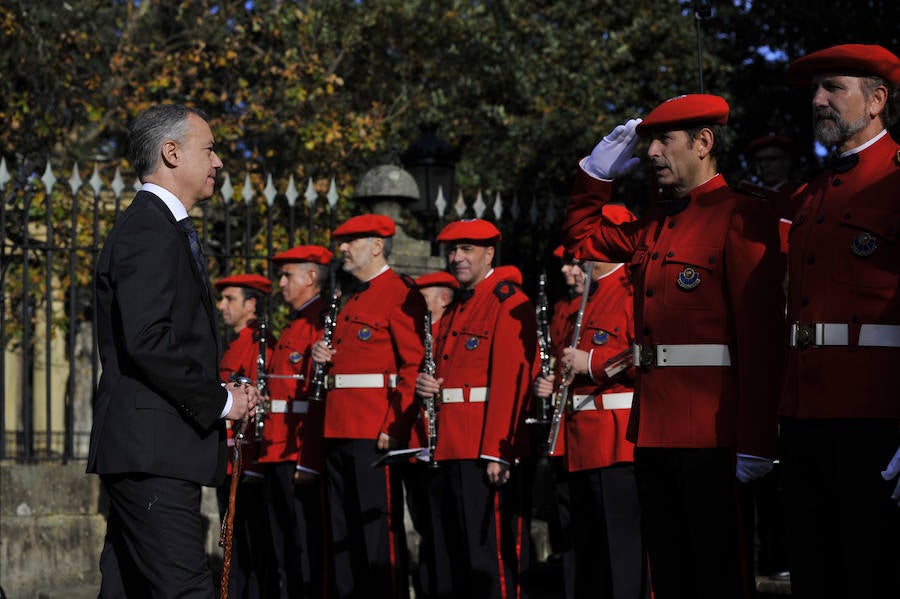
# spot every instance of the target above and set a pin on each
(575, 360)
(543, 385)
(245, 398)
(614, 156)
(497, 473)
(891, 472)
(386, 442)
(427, 385)
(321, 353)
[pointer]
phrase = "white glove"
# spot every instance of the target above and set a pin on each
(613, 156)
(751, 467)
(891, 472)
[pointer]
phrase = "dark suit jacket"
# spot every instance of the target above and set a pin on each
(158, 403)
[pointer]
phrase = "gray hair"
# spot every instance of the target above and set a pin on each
(151, 129)
(889, 113)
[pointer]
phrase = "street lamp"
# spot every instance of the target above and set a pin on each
(432, 163)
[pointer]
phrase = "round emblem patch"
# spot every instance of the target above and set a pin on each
(364, 334)
(689, 278)
(295, 357)
(472, 343)
(600, 337)
(864, 244)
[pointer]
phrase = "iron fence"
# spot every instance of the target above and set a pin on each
(53, 230)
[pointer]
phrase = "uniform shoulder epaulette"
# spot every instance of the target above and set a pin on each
(505, 289)
(408, 281)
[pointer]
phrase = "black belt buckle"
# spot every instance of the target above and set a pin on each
(647, 356)
(803, 335)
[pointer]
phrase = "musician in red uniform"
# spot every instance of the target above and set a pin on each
(437, 288)
(243, 298)
(370, 407)
(840, 408)
(291, 448)
(484, 351)
(708, 321)
(608, 556)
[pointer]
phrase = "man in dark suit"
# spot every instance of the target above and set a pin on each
(159, 412)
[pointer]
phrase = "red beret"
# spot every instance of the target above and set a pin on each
(440, 278)
(366, 225)
(304, 253)
(560, 252)
(475, 229)
(765, 141)
(258, 282)
(847, 59)
(508, 273)
(617, 213)
(681, 111)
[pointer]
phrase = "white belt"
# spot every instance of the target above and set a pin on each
(689, 354)
(821, 334)
(280, 406)
(457, 395)
(611, 401)
(359, 381)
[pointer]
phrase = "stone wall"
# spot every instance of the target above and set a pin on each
(52, 523)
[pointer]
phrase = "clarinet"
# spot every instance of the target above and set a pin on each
(542, 407)
(318, 393)
(262, 408)
(561, 399)
(430, 403)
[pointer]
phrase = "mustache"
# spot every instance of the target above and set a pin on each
(824, 112)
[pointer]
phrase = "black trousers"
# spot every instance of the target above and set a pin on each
(154, 544)
(365, 513)
(606, 525)
(843, 527)
(479, 534)
(691, 523)
(297, 533)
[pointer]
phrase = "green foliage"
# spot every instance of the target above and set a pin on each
(330, 88)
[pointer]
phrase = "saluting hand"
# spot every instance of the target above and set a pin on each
(614, 156)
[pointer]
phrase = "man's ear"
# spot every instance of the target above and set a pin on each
(170, 152)
(705, 139)
(876, 101)
(377, 246)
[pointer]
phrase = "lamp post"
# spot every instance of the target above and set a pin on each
(432, 163)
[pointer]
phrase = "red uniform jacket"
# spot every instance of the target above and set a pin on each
(240, 359)
(844, 266)
(298, 419)
(378, 332)
(705, 271)
(485, 351)
(596, 437)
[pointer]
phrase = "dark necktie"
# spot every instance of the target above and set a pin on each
(194, 239)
